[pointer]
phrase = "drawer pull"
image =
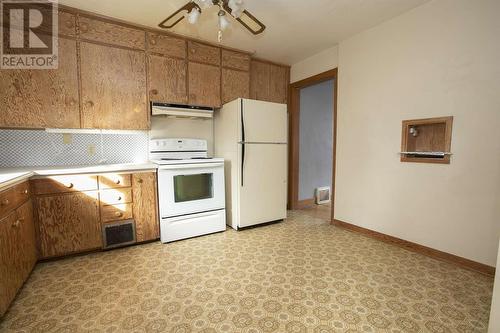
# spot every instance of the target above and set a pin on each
(119, 198)
(118, 181)
(70, 185)
(118, 214)
(5, 202)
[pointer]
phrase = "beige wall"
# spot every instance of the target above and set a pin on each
(495, 304)
(318, 63)
(439, 59)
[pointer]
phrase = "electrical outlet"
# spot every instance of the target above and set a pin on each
(67, 138)
(91, 149)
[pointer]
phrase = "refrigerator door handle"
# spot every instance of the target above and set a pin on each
(243, 142)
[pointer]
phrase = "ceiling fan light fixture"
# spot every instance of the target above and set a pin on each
(193, 15)
(223, 21)
(204, 3)
(237, 7)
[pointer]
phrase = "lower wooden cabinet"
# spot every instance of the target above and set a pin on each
(68, 223)
(17, 252)
(145, 206)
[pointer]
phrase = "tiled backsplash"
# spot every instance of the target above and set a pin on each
(40, 148)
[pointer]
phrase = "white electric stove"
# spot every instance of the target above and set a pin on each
(191, 191)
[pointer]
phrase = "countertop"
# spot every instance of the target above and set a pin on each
(9, 176)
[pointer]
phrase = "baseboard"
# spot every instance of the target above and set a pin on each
(414, 247)
(306, 203)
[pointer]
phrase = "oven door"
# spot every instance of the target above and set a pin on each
(190, 188)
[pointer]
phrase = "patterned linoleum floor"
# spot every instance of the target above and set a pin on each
(302, 275)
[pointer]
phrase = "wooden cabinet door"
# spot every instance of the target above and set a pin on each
(204, 53)
(204, 85)
(111, 33)
(269, 82)
(278, 84)
(42, 98)
(167, 79)
(9, 281)
(27, 254)
(113, 88)
(235, 84)
(17, 252)
(68, 223)
(145, 206)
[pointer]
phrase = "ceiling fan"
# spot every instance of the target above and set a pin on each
(192, 11)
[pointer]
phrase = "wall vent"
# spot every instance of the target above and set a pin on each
(323, 195)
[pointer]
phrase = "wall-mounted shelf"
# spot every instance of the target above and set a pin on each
(426, 140)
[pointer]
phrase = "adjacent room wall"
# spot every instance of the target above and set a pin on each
(439, 59)
(318, 63)
(316, 138)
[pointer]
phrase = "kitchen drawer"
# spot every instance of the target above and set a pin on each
(116, 196)
(115, 181)
(203, 53)
(13, 198)
(116, 212)
(62, 184)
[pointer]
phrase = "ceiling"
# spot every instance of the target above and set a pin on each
(296, 29)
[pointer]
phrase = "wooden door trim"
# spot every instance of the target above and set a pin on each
(294, 135)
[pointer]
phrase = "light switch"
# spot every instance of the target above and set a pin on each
(67, 139)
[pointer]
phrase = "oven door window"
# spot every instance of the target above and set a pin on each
(193, 187)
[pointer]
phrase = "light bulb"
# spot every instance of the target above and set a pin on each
(237, 7)
(223, 21)
(204, 3)
(193, 15)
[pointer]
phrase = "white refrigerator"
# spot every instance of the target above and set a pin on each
(251, 136)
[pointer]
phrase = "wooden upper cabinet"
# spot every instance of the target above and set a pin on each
(145, 206)
(68, 223)
(67, 24)
(235, 84)
(111, 33)
(42, 98)
(269, 82)
(235, 60)
(166, 45)
(113, 83)
(167, 79)
(204, 85)
(203, 53)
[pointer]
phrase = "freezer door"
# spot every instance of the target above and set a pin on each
(263, 122)
(263, 183)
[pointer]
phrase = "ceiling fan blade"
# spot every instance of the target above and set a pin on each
(246, 19)
(247, 15)
(187, 7)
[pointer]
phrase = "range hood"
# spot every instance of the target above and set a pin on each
(181, 111)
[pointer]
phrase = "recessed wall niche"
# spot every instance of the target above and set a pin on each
(427, 140)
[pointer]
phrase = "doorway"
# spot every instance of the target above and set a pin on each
(313, 122)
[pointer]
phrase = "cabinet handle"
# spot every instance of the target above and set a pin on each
(119, 198)
(154, 92)
(5, 202)
(152, 41)
(70, 185)
(140, 181)
(25, 192)
(89, 104)
(16, 224)
(69, 24)
(118, 214)
(118, 181)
